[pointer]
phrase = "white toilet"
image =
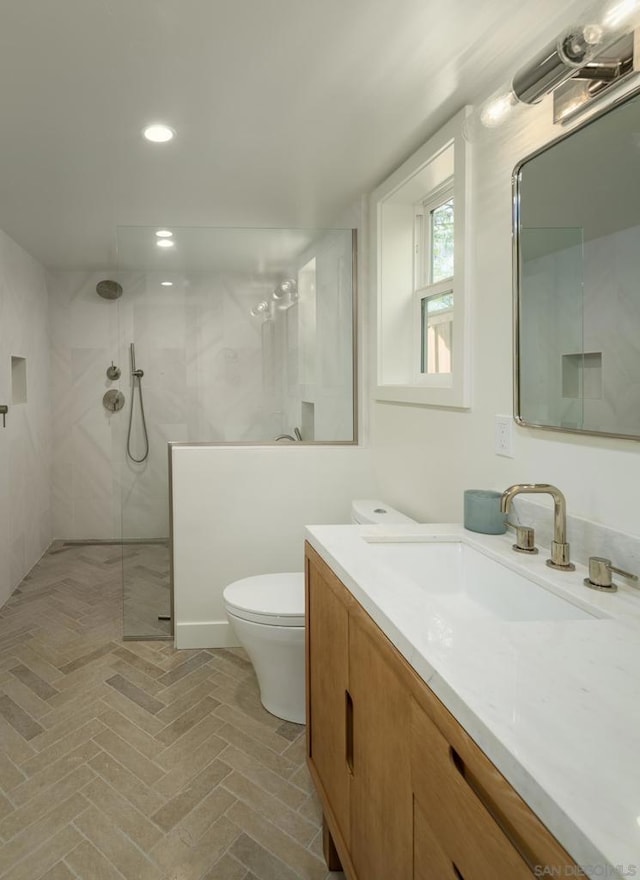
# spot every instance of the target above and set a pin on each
(267, 613)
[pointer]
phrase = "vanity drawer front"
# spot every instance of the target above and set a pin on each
(467, 833)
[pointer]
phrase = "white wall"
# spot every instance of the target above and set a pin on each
(426, 457)
(25, 515)
(240, 511)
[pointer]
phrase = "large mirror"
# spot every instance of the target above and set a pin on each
(577, 278)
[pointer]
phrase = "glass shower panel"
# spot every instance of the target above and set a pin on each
(553, 363)
(241, 335)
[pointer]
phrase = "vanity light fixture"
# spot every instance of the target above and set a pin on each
(595, 78)
(165, 243)
(159, 133)
(577, 53)
(164, 233)
(166, 284)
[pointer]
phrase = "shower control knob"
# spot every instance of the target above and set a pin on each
(113, 400)
(113, 372)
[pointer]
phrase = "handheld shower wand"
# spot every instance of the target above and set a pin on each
(137, 373)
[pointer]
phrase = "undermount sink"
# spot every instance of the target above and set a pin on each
(467, 583)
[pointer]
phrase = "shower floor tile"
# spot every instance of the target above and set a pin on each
(136, 760)
(147, 589)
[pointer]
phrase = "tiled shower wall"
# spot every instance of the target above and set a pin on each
(317, 369)
(201, 355)
(571, 288)
(25, 513)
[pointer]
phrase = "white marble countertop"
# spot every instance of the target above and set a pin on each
(554, 704)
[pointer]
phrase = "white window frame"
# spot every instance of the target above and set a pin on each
(444, 159)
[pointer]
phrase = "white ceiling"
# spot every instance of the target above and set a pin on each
(286, 111)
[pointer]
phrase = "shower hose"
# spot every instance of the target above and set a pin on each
(137, 381)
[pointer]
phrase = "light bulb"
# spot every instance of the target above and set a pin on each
(166, 283)
(606, 23)
(497, 109)
(165, 243)
(164, 233)
(592, 34)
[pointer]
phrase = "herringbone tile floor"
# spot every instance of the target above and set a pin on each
(133, 760)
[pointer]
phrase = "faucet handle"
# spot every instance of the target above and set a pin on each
(600, 570)
(525, 539)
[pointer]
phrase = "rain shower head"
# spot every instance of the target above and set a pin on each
(109, 289)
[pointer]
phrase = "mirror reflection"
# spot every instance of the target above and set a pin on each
(578, 279)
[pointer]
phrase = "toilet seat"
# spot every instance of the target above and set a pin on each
(269, 599)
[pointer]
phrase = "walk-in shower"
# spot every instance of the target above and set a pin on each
(242, 335)
(113, 398)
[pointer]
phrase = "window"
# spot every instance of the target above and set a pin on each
(436, 333)
(434, 238)
(421, 237)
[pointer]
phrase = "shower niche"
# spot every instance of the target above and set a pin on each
(18, 380)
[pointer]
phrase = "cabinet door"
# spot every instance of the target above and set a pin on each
(381, 799)
(327, 689)
(464, 829)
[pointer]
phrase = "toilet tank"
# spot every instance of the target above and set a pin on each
(376, 512)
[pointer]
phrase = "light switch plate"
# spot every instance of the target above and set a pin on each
(504, 436)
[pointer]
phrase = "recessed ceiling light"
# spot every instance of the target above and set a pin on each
(166, 283)
(165, 242)
(164, 233)
(158, 133)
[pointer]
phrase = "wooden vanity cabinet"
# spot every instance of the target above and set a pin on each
(406, 793)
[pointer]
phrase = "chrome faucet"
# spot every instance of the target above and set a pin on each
(559, 547)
